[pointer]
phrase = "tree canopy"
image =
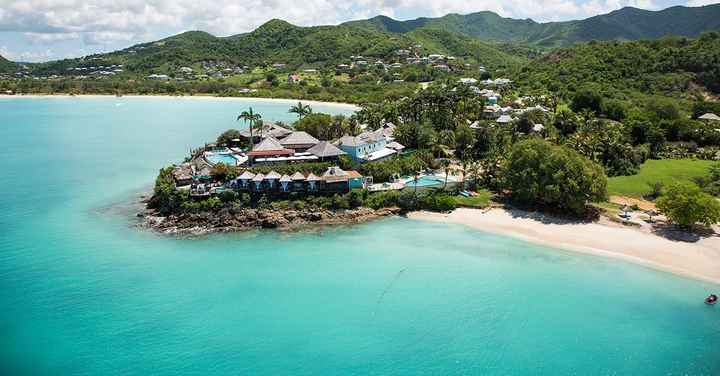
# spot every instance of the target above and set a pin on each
(541, 174)
(686, 205)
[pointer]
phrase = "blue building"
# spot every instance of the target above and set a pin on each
(368, 146)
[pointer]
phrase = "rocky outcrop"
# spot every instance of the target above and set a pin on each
(231, 219)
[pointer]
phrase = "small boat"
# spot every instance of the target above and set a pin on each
(712, 299)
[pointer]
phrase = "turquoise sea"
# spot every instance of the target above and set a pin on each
(83, 292)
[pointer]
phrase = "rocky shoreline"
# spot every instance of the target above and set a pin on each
(232, 219)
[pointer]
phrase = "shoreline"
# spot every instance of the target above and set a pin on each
(180, 97)
(228, 220)
(699, 260)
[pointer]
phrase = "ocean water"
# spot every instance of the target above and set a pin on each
(82, 292)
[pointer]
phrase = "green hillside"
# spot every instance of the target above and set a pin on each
(6, 65)
(669, 66)
(280, 42)
(627, 24)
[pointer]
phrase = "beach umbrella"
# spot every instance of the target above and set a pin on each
(651, 214)
(625, 209)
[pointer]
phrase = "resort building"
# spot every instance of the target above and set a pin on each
(333, 180)
(268, 129)
(326, 151)
(299, 141)
(365, 147)
(183, 174)
(268, 148)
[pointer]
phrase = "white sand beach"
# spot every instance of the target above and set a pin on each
(699, 259)
(290, 102)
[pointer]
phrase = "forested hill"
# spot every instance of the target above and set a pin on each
(627, 23)
(310, 47)
(678, 67)
(6, 65)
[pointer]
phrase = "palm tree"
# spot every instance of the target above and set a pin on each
(251, 118)
(301, 110)
(446, 169)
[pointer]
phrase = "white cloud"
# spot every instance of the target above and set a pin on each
(110, 24)
(26, 56)
(225, 18)
(699, 3)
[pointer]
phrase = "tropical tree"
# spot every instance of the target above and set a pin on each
(540, 173)
(301, 110)
(227, 136)
(250, 118)
(685, 204)
(442, 142)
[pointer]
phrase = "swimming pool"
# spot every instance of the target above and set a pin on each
(424, 181)
(228, 159)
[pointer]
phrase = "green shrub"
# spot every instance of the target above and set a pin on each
(545, 175)
(685, 204)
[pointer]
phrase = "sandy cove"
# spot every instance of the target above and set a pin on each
(289, 102)
(699, 259)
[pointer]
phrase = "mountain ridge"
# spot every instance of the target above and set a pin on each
(627, 23)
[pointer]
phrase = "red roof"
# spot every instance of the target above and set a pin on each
(269, 153)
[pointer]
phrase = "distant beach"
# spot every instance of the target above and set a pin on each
(699, 260)
(207, 97)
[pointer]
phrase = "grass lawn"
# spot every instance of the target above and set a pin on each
(666, 171)
(482, 200)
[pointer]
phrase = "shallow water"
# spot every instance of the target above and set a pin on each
(83, 292)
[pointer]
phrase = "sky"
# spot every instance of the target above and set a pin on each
(42, 30)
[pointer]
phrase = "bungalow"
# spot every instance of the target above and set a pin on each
(398, 147)
(313, 182)
(366, 147)
(298, 181)
(158, 77)
(272, 179)
(338, 180)
(257, 181)
(299, 141)
(709, 117)
(243, 181)
(326, 151)
(268, 129)
(183, 175)
(504, 119)
(269, 147)
(491, 111)
(285, 183)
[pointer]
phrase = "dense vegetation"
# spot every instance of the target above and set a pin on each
(686, 205)
(627, 24)
(675, 67)
(541, 174)
(6, 66)
(280, 42)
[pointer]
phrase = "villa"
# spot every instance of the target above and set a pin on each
(326, 151)
(369, 146)
(299, 141)
(268, 129)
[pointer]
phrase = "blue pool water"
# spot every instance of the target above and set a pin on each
(82, 292)
(228, 159)
(425, 181)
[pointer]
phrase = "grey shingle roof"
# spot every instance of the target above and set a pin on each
(298, 176)
(325, 149)
(269, 143)
(299, 138)
(273, 175)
